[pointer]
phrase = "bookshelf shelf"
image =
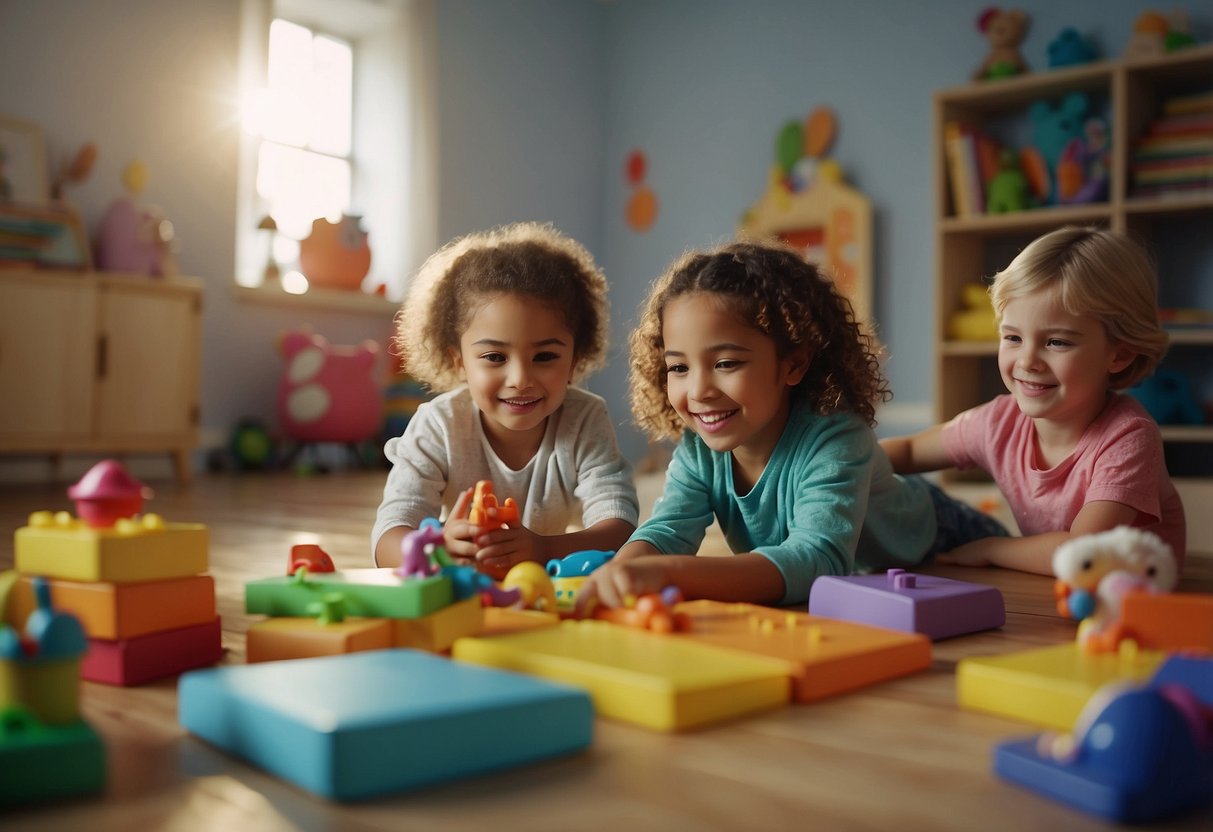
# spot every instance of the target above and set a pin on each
(1130, 94)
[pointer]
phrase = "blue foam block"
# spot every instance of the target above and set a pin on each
(358, 725)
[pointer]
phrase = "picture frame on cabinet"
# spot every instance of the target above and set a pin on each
(48, 236)
(23, 173)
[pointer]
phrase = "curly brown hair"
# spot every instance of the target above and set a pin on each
(772, 287)
(528, 259)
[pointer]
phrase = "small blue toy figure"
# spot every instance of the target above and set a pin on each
(1070, 48)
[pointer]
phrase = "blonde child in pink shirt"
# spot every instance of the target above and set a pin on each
(1078, 321)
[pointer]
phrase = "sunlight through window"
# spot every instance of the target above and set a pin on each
(304, 117)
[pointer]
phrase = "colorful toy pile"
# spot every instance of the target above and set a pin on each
(46, 750)
(135, 582)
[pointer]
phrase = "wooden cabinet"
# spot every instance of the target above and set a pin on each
(99, 363)
(1179, 229)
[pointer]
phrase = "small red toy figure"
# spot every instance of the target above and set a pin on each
(311, 557)
(485, 510)
(107, 493)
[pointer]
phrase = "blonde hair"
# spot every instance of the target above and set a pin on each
(1099, 274)
(771, 287)
(530, 260)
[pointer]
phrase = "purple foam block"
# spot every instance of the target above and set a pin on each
(900, 600)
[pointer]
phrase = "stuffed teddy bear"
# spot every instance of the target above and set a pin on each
(1005, 30)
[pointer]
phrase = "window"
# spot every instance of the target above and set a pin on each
(303, 118)
(338, 114)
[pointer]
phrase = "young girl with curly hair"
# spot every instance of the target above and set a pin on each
(502, 322)
(1078, 321)
(751, 356)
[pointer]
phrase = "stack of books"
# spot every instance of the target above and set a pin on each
(1175, 156)
(972, 159)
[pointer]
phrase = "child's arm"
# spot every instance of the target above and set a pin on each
(1035, 553)
(919, 452)
(502, 548)
(638, 570)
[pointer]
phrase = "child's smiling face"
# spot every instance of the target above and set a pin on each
(724, 378)
(1057, 365)
(517, 355)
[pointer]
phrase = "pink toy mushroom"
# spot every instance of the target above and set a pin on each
(107, 493)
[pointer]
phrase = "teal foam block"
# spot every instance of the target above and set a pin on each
(48, 762)
(359, 725)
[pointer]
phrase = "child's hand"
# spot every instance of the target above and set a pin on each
(970, 554)
(502, 548)
(458, 535)
(612, 584)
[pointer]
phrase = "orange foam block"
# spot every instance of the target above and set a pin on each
(501, 620)
(829, 656)
(114, 611)
(133, 661)
(276, 639)
(1172, 621)
(437, 631)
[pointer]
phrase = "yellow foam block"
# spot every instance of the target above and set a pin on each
(1048, 686)
(437, 631)
(653, 681)
(48, 689)
(145, 549)
(502, 620)
(114, 611)
(830, 656)
(301, 638)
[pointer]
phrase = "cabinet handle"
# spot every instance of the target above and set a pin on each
(102, 355)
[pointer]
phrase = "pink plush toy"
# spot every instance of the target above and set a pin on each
(328, 393)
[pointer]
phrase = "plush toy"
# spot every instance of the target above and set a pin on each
(328, 393)
(976, 322)
(1008, 190)
(1070, 48)
(1067, 162)
(1005, 30)
(1095, 571)
(1156, 34)
(1167, 396)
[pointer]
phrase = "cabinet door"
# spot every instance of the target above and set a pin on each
(148, 380)
(47, 359)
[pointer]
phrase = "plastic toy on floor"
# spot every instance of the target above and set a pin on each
(107, 493)
(1095, 572)
(655, 613)
(46, 750)
(1137, 753)
(311, 557)
(379, 722)
(417, 550)
(900, 600)
(133, 580)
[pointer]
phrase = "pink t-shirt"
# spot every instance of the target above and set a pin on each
(1119, 458)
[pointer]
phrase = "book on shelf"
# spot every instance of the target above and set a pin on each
(1197, 102)
(964, 169)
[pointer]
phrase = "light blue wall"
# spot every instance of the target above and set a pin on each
(702, 87)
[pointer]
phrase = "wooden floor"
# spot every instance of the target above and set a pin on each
(898, 756)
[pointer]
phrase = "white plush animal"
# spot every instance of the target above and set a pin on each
(1094, 572)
